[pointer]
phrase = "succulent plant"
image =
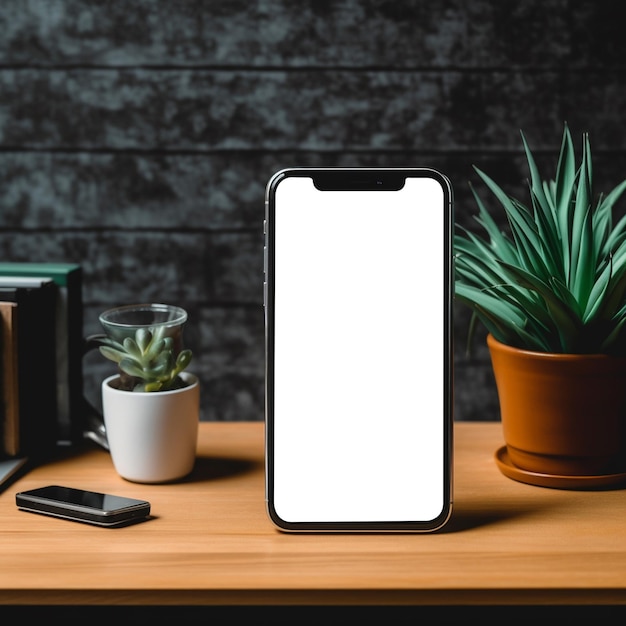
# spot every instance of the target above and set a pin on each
(556, 281)
(148, 361)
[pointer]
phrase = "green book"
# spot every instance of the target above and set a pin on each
(68, 278)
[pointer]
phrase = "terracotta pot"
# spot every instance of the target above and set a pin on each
(562, 414)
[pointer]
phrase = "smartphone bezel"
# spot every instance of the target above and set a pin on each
(372, 179)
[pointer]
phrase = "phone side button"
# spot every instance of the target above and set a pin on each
(264, 293)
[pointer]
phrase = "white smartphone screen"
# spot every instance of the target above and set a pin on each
(358, 315)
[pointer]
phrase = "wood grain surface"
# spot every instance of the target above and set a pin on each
(210, 542)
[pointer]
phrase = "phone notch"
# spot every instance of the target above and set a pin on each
(358, 180)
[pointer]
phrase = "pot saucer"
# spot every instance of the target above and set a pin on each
(600, 481)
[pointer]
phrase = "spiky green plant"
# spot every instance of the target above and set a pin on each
(147, 362)
(555, 281)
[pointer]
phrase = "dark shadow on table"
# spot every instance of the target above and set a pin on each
(214, 467)
(469, 515)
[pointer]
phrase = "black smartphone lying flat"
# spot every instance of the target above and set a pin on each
(358, 342)
(91, 507)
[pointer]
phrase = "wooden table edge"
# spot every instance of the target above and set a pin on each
(308, 597)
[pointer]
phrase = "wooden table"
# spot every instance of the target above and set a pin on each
(210, 541)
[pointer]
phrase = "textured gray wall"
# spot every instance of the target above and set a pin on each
(136, 138)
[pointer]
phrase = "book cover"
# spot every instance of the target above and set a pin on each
(11, 469)
(36, 373)
(9, 377)
(68, 278)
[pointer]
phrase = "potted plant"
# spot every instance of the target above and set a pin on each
(551, 293)
(151, 407)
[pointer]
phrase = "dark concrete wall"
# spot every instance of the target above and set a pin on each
(136, 138)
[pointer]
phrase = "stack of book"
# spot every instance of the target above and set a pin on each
(41, 347)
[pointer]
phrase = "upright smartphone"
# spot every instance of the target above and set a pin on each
(92, 507)
(357, 294)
